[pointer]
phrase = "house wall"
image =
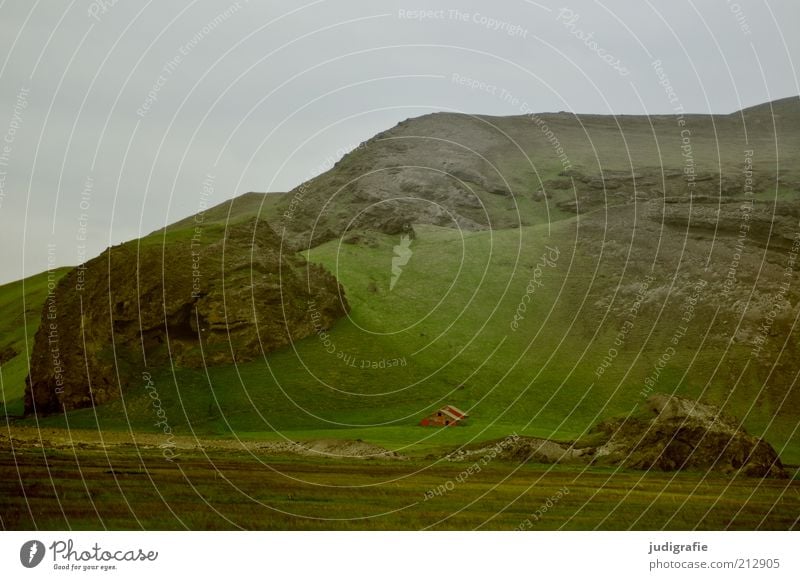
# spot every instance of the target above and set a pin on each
(437, 420)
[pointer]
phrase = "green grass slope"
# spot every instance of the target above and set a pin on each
(444, 334)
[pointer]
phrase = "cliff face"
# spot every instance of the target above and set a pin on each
(199, 297)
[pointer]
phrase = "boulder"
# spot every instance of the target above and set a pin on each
(682, 434)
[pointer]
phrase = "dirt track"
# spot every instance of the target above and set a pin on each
(27, 437)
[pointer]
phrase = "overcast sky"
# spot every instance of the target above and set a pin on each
(114, 114)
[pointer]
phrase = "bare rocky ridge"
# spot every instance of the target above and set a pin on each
(229, 291)
(480, 172)
(676, 434)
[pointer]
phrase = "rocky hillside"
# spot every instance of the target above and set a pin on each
(202, 296)
(480, 172)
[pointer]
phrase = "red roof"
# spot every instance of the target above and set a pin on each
(453, 412)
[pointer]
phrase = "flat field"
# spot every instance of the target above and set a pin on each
(127, 487)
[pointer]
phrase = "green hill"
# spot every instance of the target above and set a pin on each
(539, 295)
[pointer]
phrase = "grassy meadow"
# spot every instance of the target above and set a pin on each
(136, 489)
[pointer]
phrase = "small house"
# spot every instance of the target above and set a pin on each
(447, 416)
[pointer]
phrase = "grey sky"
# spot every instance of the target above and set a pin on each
(264, 95)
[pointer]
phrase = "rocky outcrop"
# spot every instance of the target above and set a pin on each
(423, 171)
(682, 434)
(202, 296)
(761, 222)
